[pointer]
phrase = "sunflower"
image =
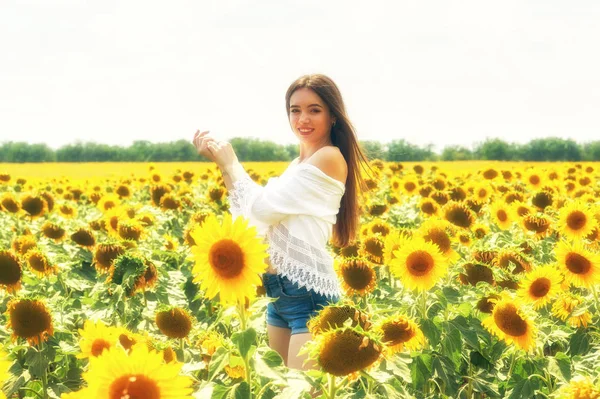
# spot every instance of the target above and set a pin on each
(157, 191)
(458, 214)
(228, 258)
(209, 341)
(437, 231)
(34, 205)
(509, 323)
(23, 243)
(507, 257)
(533, 179)
(4, 371)
(540, 225)
(475, 273)
(128, 339)
(130, 230)
(53, 231)
(410, 185)
(376, 226)
(174, 322)
(419, 264)
(372, 249)
(480, 230)
(105, 255)
(11, 271)
(486, 303)
(350, 250)
(123, 191)
(344, 351)
(169, 201)
(482, 192)
(400, 332)
(580, 266)
(67, 211)
(96, 337)
(580, 387)
(9, 203)
(357, 276)
(29, 319)
(140, 374)
(576, 220)
(113, 217)
(394, 241)
(108, 201)
(84, 238)
(502, 214)
(522, 209)
(39, 263)
(428, 207)
(335, 316)
(572, 307)
(540, 285)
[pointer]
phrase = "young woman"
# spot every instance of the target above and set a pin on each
(313, 201)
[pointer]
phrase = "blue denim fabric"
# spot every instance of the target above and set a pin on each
(294, 305)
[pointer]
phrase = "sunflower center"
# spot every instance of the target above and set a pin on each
(577, 263)
(419, 263)
(10, 270)
(226, 258)
(374, 247)
(428, 208)
(98, 347)
(576, 220)
(509, 321)
(358, 277)
(540, 287)
(502, 216)
(29, 319)
(459, 217)
(134, 386)
(440, 238)
(397, 333)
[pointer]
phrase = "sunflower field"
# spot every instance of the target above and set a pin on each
(467, 280)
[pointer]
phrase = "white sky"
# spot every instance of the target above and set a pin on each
(436, 72)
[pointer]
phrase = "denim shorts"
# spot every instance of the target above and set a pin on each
(294, 305)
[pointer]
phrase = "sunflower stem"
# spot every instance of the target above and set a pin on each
(45, 371)
(332, 387)
(596, 298)
(512, 365)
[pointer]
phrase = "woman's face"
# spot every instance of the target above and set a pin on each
(310, 118)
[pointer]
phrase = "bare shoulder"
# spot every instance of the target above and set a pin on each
(331, 161)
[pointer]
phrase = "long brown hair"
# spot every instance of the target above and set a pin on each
(343, 136)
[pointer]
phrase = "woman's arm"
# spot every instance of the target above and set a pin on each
(232, 173)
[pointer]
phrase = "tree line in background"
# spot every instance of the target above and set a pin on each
(251, 149)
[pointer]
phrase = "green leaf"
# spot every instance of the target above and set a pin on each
(431, 332)
(239, 391)
(525, 389)
(467, 331)
(244, 340)
(580, 343)
(421, 369)
(559, 366)
(218, 361)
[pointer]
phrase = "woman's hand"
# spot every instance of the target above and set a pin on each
(223, 153)
(201, 141)
(220, 152)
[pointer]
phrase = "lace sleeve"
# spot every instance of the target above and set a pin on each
(240, 195)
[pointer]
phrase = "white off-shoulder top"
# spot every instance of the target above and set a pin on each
(295, 214)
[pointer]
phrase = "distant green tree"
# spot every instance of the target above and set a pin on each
(551, 149)
(495, 150)
(456, 153)
(591, 151)
(373, 149)
(401, 150)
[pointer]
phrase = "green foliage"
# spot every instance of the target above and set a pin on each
(255, 150)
